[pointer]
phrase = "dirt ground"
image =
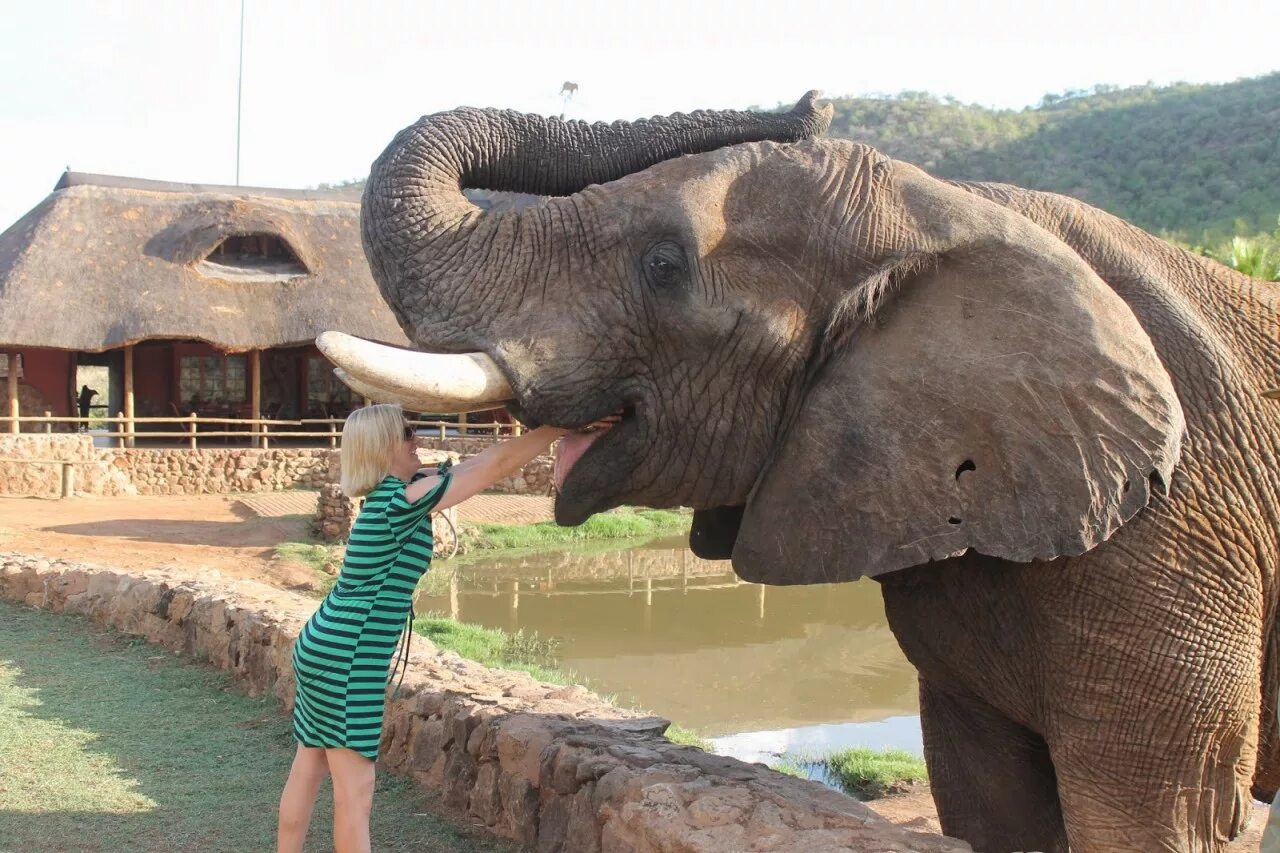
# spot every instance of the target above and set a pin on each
(914, 809)
(208, 531)
(219, 532)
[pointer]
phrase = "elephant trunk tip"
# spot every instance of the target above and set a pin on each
(814, 115)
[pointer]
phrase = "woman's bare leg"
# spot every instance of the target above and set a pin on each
(310, 766)
(352, 800)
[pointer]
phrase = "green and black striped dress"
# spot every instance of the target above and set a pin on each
(342, 658)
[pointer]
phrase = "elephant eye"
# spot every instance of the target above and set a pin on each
(664, 265)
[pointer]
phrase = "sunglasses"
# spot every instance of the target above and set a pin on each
(409, 432)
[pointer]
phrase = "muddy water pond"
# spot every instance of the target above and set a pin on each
(760, 671)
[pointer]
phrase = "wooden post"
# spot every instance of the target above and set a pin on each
(442, 432)
(48, 425)
(265, 441)
(333, 433)
(128, 393)
(13, 392)
(68, 480)
(517, 428)
(255, 393)
(119, 429)
(191, 429)
(462, 424)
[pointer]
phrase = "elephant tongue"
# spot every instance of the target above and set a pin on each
(572, 446)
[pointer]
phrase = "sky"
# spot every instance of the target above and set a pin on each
(149, 89)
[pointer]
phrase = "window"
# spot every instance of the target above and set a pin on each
(212, 379)
(326, 395)
(4, 365)
(255, 257)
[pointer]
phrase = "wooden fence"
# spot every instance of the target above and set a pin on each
(258, 432)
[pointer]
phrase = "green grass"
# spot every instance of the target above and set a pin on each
(623, 523)
(494, 648)
(687, 737)
(109, 744)
(325, 560)
(790, 767)
(322, 558)
(869, 773)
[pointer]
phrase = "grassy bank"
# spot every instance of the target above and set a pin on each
(107, 743)
(326, 559)
(622, 523)
(492, 647)
(519, 651)
(862, 773)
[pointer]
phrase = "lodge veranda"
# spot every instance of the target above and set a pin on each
(199, 306)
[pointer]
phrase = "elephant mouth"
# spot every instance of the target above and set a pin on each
(576, 443)
(462, 382)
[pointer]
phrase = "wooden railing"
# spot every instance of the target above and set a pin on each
(259, 432)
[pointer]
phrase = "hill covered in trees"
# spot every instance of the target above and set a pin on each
(1196, 163)
(1199, 163)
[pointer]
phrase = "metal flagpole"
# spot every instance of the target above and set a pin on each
(239, 88)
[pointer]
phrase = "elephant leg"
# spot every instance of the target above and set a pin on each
(992, 779)
(1140, 791)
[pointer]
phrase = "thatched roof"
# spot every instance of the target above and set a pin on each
(104, 261)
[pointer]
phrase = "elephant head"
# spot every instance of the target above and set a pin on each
(843, 364)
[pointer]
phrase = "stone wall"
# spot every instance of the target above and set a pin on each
(148, 471)
(220, 471)
(208, 471)
(38, 473)
(554, 768)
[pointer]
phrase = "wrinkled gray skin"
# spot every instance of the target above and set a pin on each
(1036, 425)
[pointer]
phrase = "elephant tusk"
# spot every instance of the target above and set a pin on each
(419, 381)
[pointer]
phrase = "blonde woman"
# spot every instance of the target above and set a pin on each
(342, 658)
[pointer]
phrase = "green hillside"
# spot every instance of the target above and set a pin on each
(1199, 162)
(1194, 162)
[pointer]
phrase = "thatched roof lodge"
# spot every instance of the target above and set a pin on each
(196, 298)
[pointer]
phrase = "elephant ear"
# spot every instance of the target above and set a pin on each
(1003, 399)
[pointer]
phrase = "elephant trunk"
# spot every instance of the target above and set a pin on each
(414, 212)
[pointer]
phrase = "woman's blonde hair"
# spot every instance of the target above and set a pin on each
(369, 440)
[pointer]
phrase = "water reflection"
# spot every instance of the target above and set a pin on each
(780, 668)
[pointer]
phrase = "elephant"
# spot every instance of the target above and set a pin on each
(1036, 426)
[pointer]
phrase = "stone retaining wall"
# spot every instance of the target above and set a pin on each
(95, 472)
(106, 472)
(210, 471)
(216, 472)
(552, 767)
